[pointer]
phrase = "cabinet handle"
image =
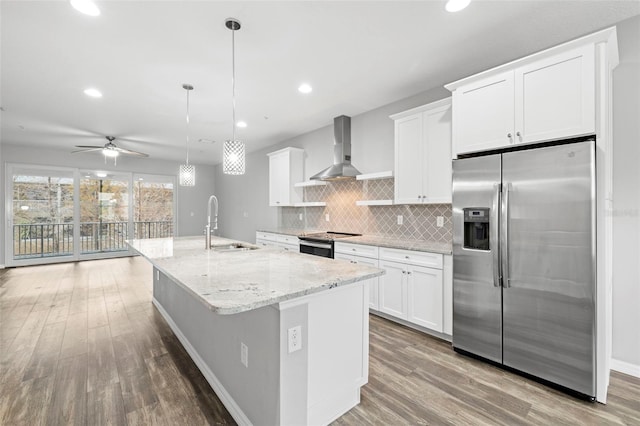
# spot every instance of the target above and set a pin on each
(353, 249)
(404, 272)
(419, 196)
(409, 273)
(406, 257)
(518, 134)
(509, 135)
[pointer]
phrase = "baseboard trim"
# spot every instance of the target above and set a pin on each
(625, 367)
(229, 403)
(1, 266)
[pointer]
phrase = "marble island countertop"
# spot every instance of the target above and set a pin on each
(230, 282)
(380, 241)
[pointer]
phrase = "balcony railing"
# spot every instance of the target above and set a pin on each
(34, 240)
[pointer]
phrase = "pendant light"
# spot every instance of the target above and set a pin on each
(187, 174)
(233, 154)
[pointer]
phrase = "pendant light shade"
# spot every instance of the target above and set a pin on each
(233, 153)
(187, 172)
(233, 158)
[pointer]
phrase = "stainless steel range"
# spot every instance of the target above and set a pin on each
(321, 244)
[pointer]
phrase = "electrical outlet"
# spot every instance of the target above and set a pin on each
(400, 219)
(439, 221)
(294, 338)
(244, 354)
(326, 217)
(300, 216)
(245, 214)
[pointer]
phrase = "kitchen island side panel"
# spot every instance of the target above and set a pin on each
(217, 340)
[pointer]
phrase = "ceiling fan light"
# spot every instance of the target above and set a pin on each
(111, 153)
(456, 5)
(233, 158)
(187, 175)
(86, 7)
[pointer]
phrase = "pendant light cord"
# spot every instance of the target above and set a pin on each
(233, 79)
(188, 126)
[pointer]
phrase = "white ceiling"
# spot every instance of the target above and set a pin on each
(357, 55)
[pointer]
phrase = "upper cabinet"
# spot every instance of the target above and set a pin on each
(544, 97)
(285, 170)
(423, 154)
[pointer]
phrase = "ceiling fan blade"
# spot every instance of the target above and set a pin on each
(130, 152)
(89, 146)
(88, 149)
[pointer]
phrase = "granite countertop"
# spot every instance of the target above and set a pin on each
(416, 245)
(380, 241)
(230, 282)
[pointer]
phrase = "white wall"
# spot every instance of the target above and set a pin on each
(626, 200)
(189, 200)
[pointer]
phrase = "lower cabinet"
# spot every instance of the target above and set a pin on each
(412, 293)
(365, 255)
(283, 241)
(413, 288)
(392, 289)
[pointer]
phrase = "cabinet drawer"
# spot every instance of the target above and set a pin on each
(420, 258)
(288, 239)
(357, 249)
(266, 236)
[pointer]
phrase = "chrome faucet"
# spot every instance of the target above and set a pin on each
(208, 229)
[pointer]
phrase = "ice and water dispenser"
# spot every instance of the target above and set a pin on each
(476, 228)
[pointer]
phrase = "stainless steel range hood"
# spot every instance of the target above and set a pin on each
(341, 168)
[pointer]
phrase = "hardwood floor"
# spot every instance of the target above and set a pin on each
(82, 344)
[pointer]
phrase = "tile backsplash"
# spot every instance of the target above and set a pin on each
(419, 221)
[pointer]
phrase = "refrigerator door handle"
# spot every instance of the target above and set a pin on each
(494, 237)
(504, 235)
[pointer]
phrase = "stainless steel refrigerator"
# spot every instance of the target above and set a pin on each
(524, 261)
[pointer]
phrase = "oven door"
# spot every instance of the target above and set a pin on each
(323, 249)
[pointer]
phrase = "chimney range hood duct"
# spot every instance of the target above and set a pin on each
(341, 168)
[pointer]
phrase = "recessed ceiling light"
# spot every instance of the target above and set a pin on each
(94, 93)
(456, 5)
(305, 88)
(101, 174)
(87, 7)
(241, 124)
(24, 208)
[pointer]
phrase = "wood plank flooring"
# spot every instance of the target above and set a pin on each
(82, 344)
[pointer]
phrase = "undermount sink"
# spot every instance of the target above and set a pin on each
(234, 247)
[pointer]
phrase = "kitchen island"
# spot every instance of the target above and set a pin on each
(281, 337)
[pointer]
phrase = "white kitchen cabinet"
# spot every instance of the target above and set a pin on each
(365, 255)
(424, 297)
(286, 168)
(423, 154)
(392, 289)
(283, 241)
(447, 295)
(410, 290)
(373, 282)
(545, 97)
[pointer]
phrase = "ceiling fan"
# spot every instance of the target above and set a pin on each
(109, 150)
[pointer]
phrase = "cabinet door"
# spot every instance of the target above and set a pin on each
(392, 289)
(425, 297)
(279, 179)
(408, 160)
(555, 97)
(373, 282)
(483, 114)
(437, 155)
